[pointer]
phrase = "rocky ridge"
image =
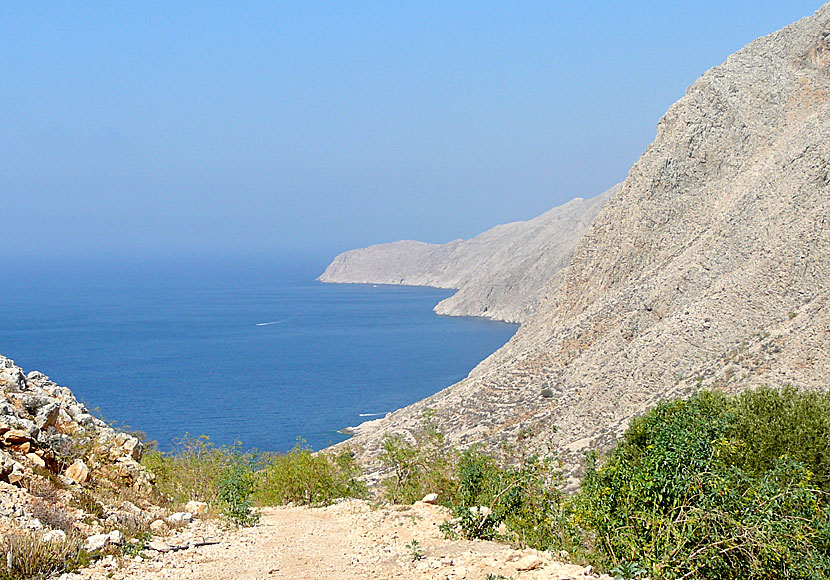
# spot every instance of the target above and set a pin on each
(499, 274)
(710, 268)
(58, 462)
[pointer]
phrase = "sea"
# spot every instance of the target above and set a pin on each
(247, 351)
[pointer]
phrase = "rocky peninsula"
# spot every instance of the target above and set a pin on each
(499, 274)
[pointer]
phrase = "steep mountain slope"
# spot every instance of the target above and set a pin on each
(500, 273)
(711, 267)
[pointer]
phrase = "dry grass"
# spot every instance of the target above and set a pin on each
(28, 557)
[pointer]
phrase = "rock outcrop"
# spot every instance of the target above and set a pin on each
(42, 425)
(710, 268)
(499, 274)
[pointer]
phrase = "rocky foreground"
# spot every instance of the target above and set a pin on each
(46, 436)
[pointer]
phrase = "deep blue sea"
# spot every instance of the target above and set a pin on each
(254, 351)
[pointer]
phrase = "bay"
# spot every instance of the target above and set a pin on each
(250, 351)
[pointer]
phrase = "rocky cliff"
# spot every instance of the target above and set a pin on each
(499, 274)
(710, 268)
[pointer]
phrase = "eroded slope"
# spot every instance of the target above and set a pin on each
(711, 267)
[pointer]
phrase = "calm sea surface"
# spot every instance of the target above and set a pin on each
(256, 353)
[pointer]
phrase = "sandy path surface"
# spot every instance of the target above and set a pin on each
(346, 541)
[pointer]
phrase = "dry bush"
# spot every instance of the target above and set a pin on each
(53, 516)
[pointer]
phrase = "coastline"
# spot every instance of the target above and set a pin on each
(201, 366)
(435, 310)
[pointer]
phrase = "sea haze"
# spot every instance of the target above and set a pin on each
(254, 352)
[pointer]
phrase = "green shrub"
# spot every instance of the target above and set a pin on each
(190, 472)
(769, 423)
(482, 493)
(235, 487)
(304, 478)
(524, 498)
(710, 488)
(420, 466)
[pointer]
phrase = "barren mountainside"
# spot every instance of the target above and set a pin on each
(710, 267)
(499, 274)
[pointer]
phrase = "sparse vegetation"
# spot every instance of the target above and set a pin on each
(52, 516)
(27, 557)
(190, 472)
(137, 544)
(415, 550)
(86, 502)
(715, 486)
(305, 478)
(45, 485)
(232, 482)
(420, 466)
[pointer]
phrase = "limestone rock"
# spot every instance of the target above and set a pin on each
(11, 375)
(34, 524)
(133, 447)
(78, 472)
(180, 518)
(529, 562)
(96, 542)
(16, 437)
(158, 526)
(196, 508)
(6, 464)
(36, 460)
(132, 509)
(47, 415)
(17, 473)
(430, 498)
(160, 546)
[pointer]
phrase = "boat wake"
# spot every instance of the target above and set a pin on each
(370, 414)
(274, 322)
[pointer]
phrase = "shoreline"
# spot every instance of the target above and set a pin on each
(443, 314)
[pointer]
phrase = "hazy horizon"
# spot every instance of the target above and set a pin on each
(137, 132)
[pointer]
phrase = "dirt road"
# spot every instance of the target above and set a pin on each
(347, 541)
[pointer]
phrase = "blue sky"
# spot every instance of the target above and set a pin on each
(178, 128)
